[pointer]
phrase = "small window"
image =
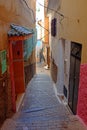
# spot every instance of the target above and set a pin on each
(53, 27)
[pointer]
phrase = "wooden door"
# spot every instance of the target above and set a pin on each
(18, 66)
(75, 60)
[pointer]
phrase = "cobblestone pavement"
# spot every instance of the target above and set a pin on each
(41, 109)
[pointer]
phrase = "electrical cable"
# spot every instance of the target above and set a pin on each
(6, 21)
(43, 27)
(62, 15)
(30, 9)
(51, 9)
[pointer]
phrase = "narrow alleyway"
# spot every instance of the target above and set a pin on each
(41, 109)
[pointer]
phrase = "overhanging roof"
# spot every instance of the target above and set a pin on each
(19, 32)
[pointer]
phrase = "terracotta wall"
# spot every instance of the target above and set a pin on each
(17, 12)
(14, 11)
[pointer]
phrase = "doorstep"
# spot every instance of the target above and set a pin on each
(19, 101)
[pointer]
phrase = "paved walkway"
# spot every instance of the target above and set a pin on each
(42, 110)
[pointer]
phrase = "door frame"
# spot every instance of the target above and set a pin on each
(76, 56)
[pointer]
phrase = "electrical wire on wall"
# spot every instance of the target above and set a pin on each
(30, 9)
(44, 29)
(6, 21)
(62, 15)
(42, 26)
(44, 35)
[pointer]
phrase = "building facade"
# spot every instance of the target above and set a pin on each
(20, 13)
(68, 48)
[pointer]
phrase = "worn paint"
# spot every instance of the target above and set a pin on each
(82, 98)
(12, 77)
(17, 13)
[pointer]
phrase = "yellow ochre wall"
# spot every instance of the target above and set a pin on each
(73, 26)
(46, 31)
(14, 11)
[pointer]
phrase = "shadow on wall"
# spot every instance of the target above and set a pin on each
(54, 70)
(28, 73)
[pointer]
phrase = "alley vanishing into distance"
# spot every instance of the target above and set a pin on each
(42, 109)
(43, 65)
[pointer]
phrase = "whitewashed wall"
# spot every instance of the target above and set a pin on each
(60, 49)
(67, 65)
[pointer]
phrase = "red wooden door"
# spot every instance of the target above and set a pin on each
(12, 77)
(18, 65)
